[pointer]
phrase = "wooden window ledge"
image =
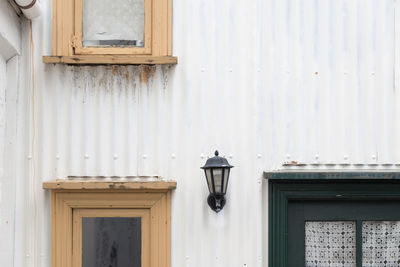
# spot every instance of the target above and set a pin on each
(108, 185)
(110, 59)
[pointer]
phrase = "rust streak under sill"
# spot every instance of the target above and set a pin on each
(110, 59)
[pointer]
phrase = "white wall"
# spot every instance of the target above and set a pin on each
(6, 221)
(8, 103)
(10, 46)
(10, 38)
(264, 81)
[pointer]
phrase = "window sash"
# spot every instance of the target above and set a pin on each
(91, 50)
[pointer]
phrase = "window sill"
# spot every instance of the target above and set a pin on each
(110, 59)
(98, 184)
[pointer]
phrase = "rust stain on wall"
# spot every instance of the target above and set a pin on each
(101, 81)
(115, 70)
(146, 72)
(127, 76)
(293, 163)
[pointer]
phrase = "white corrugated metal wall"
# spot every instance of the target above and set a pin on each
(5, 227)
(264, 81)
(9, 47)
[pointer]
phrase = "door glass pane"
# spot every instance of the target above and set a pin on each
(330, 243)
(381, 243)
(113, 23)
(111, 242)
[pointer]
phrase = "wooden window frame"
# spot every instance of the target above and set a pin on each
(67, 37)
(70, 196)
(289, 186)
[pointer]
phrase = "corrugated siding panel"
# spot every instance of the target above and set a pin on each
(265, 82)
(6, 188)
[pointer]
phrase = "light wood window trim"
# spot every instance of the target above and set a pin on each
(80, 49)
(66, 38)
(78, 214)
(84, 184)
(93, 195)
(109, 59)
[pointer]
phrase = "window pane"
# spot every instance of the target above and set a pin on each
(113, 23)
(111, 242)
(381, 243)
(330, 243)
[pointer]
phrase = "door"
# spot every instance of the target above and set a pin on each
(344, 233)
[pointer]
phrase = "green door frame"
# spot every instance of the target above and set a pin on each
(284, 187)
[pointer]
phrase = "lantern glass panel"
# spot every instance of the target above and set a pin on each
(226, 179)
(218, 180)
(209, 181)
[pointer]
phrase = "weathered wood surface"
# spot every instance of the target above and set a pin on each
(114, 185)
(110, 59)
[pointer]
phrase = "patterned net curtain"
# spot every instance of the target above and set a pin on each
(330, 244)
(381, 243)
(333, 244)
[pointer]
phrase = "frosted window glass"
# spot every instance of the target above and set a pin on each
(113, 23)
(111, 242)
(209, 181)
(226, 179)
(330, 244)
(218, 180)
(381, 243)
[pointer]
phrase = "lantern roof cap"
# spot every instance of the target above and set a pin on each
(217, 162)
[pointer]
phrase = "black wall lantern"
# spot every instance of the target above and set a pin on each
(217, 174)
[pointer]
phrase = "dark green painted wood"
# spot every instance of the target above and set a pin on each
(284, 190)
(332, 175)
(296, 235)
(270, 223)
